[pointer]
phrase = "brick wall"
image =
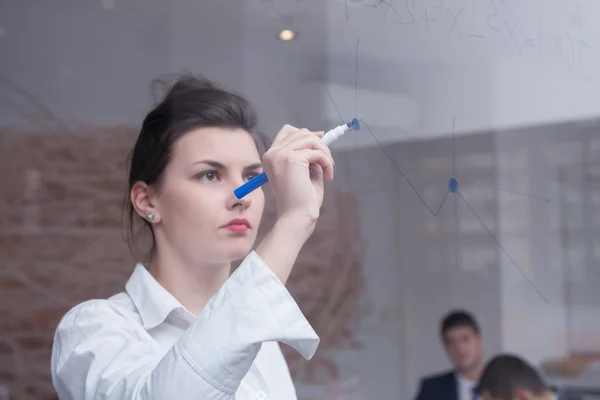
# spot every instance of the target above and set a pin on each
(62, 242)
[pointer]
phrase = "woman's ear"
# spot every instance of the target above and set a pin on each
(142, 200)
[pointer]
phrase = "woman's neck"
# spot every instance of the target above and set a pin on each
(192, 285)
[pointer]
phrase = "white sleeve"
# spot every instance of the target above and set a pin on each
(99, 355)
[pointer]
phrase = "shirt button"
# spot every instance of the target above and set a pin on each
(260, 395)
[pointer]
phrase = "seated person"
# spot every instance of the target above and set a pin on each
(462, 341)
(508, 377)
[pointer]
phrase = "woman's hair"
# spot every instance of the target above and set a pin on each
(189, 103)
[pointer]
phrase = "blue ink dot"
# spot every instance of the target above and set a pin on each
(452, 185)
(355, 124)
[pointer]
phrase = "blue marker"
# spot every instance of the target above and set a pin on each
(328, 138)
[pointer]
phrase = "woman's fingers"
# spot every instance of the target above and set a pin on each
(283, 133)
(301, 144)
(319, 158)
(299, 133)
(316, 171)
(296, 163)
(308, 141)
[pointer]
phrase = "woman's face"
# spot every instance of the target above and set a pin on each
(200, 218)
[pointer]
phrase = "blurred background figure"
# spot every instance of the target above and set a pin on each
(462, 341)
(509, 377)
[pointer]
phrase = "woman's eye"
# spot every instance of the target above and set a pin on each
(251, 176)
(210, 176)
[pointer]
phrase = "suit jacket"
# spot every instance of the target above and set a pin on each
(567, 394)
(438, 387)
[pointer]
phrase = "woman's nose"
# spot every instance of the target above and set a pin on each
(233, 202)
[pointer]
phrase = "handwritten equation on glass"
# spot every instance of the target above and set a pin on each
(522, 37)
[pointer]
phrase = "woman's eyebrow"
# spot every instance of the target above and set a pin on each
(218, 165)
(254, 166)
(212, 163)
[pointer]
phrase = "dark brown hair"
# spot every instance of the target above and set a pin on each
(458, 318)
(506, 373)
(189, 103)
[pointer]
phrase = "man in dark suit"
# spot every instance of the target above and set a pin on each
(463, 344)
(508, 377)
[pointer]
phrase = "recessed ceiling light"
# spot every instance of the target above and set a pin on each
(286, 34)
(108, 4)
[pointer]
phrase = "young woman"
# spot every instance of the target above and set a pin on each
(185, 327)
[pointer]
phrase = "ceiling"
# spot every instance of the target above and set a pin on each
(408, 67)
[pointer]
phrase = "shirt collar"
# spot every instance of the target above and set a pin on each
(152, 300)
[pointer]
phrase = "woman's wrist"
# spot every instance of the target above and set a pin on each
(298, 226)
(280, 248)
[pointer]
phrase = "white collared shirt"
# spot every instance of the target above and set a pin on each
(465, 388)
(143, 344)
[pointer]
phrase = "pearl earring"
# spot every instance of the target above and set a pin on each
(151, 215)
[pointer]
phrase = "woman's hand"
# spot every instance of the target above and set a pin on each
(296, 164)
